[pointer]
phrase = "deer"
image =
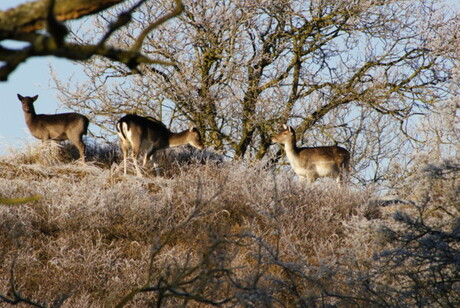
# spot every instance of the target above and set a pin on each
(150, 135)
(312, 163)
(62, 126)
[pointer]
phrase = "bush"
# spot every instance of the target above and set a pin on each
(416, 255)
(223, 234)
(216, 233)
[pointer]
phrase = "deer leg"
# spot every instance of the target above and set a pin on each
(81, 148)
(149, 156)
(47, 146)
(146, 158)
(124, 149)
(157, 170)
(135, 156)
(77, 141)
(135, 141)
(339, 180)
(310, 176)
(342, 177)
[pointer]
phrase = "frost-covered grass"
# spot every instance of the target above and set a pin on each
(209, 232)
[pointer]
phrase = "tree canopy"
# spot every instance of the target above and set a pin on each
(360, 74)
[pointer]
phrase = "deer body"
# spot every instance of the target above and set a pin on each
(146, 133)
(62, 126)
(314, 162)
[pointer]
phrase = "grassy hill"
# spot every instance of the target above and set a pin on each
(213, 233)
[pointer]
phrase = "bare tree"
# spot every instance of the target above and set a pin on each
(357, 74)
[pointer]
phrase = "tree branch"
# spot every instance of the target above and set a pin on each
(32, 16)
(21, 23)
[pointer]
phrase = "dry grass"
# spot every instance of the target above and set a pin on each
(209, 233)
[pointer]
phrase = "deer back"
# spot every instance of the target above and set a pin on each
(143, 131)
(58, 126)
(324, 154)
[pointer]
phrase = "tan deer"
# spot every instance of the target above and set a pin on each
(314, 162)
(62, 126)
(146, 133)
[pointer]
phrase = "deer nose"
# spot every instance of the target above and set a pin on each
(199, 146)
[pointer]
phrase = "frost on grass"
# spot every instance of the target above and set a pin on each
(222, 234)
(417, 261)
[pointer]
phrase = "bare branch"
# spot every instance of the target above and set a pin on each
(32, 16)
(29, 17)
(174, 12)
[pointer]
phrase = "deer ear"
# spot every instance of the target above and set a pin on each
(291, 130)
(35, 98)
(20, 97)
(191, 128)
(285, 127)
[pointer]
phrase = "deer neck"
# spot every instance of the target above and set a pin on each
(177, 139)
(30, 116)
(292, 151)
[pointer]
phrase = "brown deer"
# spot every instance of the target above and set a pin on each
(146, 133)
(62, 126)
(314, 162)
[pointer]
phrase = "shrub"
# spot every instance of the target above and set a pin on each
(223, 234)
(215, 233)
(417, 253)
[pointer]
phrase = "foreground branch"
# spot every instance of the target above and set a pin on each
(32, 16)
(26, 19)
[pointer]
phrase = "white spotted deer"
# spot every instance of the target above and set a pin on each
(146, 133)
(314, 162)
(62, 126)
